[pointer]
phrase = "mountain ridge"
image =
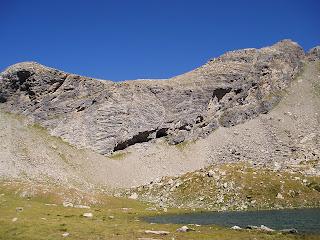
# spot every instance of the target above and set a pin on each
(227, 91)
(265, 138)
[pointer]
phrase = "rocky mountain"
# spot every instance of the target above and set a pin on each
(106, 116)
(245, 105)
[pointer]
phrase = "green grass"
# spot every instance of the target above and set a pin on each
(183, 145)
(43, 132)
(118, 155)
(39, 221)
(10, 115)
(63, 157)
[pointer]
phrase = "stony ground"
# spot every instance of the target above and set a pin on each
(236, 186)
(44, 214)
(274, 159)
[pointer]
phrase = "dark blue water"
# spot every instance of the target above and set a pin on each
(304, 220)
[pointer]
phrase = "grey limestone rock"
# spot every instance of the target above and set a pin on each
(314, 54)
(107, 116)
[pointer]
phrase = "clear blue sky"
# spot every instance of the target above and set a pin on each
(129, 39)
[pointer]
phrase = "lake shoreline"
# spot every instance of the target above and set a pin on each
(306, 220)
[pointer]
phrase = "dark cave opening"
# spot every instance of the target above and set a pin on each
(162, 132)
(220, 92)
(23, 76)
(141, 137)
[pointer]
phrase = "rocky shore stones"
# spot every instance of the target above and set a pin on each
(88, 215)
(19, 209)
(185, 229)
(236, 227)
(156, 232)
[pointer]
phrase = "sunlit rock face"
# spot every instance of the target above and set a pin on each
(107, 116)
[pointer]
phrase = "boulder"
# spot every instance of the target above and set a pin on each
(210, 173)
(279, 196)
(133, 196)
(261, 228)
(19, 209)
(185, 229)
(289, 230)
(87, 215)
(236, 227)
(266, 229)
(67, 204)
(156, 232)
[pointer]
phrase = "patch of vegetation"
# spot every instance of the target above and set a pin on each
(24, 151)
(63, 157)
(38, 129)
(118, 155)
(183, 145)
(15, 116)
(44, 218)
(314, 185)
(236, 187)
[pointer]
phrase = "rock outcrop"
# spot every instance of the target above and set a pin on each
(314, 54)
(107, 116)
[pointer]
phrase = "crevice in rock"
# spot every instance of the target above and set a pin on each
(56, 87)
(56, 84)
(24, 85)
(265, 70)
(139, 138)
(199, 119)
(3, 99)
(237, 91)
(162, 132)
(68, 88)
(186, 127)
(241, 100)
(142, 137)
(85, 105)
(31, 94)
(80, 108)
(202, 125)
(220, 93)
(23, 76)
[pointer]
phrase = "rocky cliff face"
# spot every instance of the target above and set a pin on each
(106, 116)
